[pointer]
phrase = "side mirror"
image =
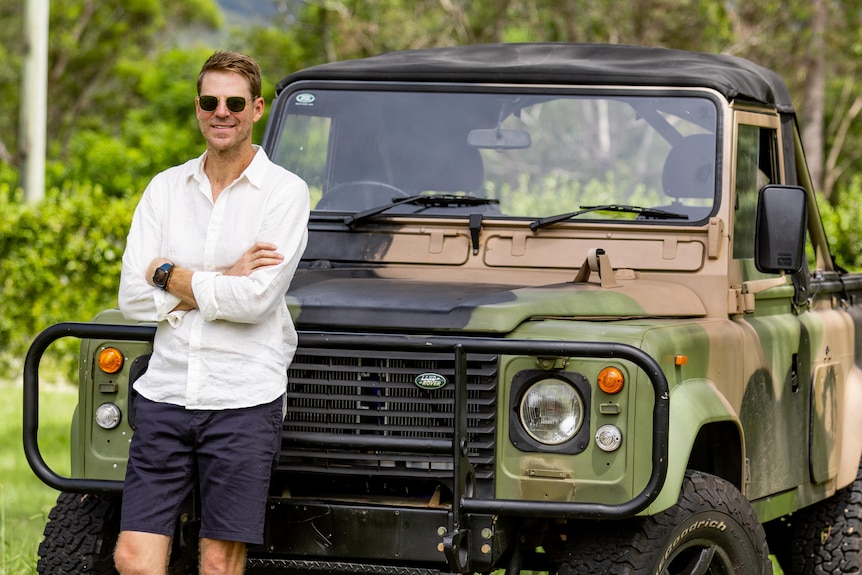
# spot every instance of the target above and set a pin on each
(779, 237)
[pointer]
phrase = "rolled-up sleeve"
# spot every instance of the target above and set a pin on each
(251, 299)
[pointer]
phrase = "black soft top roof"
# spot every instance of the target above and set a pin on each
(562, 63)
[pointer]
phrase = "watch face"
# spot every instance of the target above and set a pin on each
(161, 275)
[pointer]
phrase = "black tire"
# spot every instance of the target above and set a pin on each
(80, 536)
(82, 532)
(712, 529)
(827, 536)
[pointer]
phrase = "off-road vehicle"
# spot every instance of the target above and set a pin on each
(564, 308)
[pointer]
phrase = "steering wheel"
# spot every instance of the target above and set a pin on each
(358, 195)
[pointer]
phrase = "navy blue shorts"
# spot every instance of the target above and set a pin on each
(229, 453)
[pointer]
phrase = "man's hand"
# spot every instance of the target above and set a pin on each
(260, 255)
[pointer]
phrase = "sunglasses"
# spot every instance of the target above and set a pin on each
(210, 103)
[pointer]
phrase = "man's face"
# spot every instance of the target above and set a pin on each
(224, 130)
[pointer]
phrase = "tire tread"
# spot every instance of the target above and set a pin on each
(78, 536)
(636, 546)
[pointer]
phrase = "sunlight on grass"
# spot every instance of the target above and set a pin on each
(24, 500)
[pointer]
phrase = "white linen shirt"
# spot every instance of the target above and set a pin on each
(234, 350)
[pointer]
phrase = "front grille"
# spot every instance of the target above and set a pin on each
(341, 395)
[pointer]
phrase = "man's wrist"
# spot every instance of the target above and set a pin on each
(162, 275)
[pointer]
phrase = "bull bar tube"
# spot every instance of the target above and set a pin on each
(462, 503)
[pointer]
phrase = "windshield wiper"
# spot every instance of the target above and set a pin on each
(648, 212)
(424, 200)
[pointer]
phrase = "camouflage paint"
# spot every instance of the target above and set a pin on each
(339, 300)
(765, 398)
(737, 371)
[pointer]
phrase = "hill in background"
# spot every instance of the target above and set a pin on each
(251, 11)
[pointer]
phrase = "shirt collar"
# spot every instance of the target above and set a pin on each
(254, 173)
(256, 170)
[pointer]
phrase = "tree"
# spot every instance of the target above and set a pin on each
(157, 128)
(812, 44)
(87, 39)
(11, 14)
(814, 95)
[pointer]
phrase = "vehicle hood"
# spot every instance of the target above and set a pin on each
(349, 299)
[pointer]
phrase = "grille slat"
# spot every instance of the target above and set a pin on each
(367, 393)
(364, 427)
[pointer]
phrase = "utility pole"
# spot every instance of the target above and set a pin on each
(34, 100)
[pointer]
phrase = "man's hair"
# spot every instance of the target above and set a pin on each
(241, 64)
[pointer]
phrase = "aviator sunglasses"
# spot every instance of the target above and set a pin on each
(210, 103)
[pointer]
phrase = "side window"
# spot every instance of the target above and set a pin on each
(756, 166)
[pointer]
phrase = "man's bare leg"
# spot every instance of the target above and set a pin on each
(222, 557)
(140, 553)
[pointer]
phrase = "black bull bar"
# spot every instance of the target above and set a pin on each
(457, 446)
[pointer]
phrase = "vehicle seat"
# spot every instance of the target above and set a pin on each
(438, 169)
(415, 166)
(689, 173)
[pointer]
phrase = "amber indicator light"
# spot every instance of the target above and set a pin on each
(611, 380)
(110, 360)
(680, 360)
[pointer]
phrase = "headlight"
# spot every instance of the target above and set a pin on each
(551, 411)
(108, 416)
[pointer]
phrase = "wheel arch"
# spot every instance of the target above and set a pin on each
(705, 435)
(718, 450)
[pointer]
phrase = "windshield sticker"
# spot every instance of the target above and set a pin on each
(304, 99)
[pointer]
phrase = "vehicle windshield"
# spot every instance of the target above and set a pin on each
(535, 155)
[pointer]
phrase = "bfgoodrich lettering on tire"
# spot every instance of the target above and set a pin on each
(712, 529)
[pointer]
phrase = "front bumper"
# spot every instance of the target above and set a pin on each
(318, 530)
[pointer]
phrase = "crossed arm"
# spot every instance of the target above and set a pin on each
(261, 254)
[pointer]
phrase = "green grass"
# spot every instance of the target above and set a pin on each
(24, 500)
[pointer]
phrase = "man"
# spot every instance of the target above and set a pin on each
(212, 248)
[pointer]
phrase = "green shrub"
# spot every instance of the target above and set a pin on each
(61, 261)
(841, 222)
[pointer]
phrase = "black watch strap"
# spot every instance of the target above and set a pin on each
(162, 275)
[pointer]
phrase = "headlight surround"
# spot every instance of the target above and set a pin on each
(551, 411)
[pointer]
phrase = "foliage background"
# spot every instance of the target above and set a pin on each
(121, 87)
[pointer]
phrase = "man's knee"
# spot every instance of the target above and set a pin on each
(222, 557)
(126, 560)
(141, 553)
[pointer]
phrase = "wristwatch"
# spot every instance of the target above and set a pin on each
(162, 275)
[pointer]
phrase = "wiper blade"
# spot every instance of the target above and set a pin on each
(424, 200)
(648, 212)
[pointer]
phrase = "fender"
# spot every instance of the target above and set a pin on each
(694, 404)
